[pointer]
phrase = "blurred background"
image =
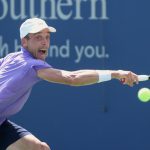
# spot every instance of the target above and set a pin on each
(91, 34)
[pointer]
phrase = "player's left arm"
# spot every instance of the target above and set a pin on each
(74, 78)
(85, 77)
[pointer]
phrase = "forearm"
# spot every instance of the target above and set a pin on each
(80, 77)
(86, 77)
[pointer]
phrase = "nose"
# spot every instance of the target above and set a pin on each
(45, 41)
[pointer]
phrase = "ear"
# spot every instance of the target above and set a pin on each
(24, 42)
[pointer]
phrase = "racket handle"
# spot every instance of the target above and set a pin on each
(143, 77)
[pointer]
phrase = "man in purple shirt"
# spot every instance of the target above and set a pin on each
(19, 71)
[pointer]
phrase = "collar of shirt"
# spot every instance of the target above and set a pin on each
(26, 52)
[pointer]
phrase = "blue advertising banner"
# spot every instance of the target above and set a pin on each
(91, 34)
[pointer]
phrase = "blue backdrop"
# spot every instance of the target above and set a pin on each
(91, 34)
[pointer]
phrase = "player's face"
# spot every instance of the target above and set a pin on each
(38, 43)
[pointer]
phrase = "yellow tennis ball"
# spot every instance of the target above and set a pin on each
(144, 94)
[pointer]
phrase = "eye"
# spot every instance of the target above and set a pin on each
(38, 37)
(48, 37)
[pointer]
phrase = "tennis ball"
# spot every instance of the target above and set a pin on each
(144, 94)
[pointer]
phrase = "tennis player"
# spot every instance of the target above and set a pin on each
(19, 71)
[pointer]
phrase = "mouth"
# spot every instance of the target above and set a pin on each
(42, 51)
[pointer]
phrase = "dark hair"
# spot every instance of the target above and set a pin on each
(27, 36)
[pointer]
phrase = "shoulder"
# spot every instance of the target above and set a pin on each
(37, 64)
(12, 54)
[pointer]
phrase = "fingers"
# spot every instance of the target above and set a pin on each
(128, 78)
(131, 79)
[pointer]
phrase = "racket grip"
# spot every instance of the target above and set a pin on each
(143, 77)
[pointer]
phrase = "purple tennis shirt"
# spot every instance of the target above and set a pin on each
(17, 77)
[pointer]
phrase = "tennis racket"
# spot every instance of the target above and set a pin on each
(143, 77)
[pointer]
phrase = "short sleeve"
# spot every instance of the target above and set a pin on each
(31, 68)
(40, 64)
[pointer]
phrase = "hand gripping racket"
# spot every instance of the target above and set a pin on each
(140, 78)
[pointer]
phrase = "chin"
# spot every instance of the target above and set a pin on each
(42, 58)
